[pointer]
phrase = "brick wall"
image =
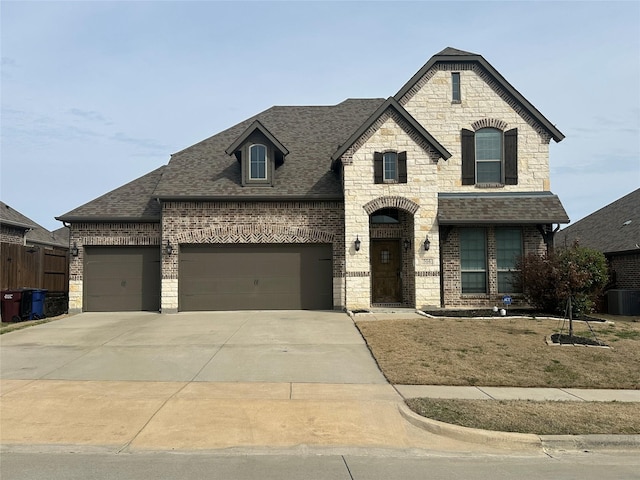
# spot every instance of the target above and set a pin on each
(453, 296)
(626, 270)
(104, 234)
(9, 234)
(249, 222)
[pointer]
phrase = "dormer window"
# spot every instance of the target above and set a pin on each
(258, 162)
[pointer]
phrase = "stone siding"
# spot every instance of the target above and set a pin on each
(483, 104)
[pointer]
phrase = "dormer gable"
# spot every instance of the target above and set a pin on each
(259, 153)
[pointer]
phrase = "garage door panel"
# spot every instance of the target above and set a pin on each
(235, 277)
(121, 279)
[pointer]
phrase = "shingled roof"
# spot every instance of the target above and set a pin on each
(34, 233)
(612, 229)
(134, 201)
(500, 208)
(310, 134)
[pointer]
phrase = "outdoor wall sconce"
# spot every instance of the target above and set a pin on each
(168, 248)
(74, 250)
(407, 244)
(427, 244)
(356, 244)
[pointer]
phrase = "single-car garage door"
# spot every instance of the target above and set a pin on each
(255, 277)
(119, 279)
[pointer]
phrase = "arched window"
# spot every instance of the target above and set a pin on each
(489, 155)
(258, 162)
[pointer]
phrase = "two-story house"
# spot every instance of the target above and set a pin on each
(425, 199)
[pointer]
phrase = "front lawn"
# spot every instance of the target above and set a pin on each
(503, 352)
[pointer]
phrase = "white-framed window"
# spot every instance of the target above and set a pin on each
(488, 144)
(508, 250)
(390, 166)
(473, 260)
(257, 162)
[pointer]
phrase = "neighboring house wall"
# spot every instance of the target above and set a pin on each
(430, 104)
(391, 133)
(104, 234)
(626, 269)
(453, 296)
(9, 234)
(250, 223)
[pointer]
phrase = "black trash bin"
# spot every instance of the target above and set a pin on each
(16, 305)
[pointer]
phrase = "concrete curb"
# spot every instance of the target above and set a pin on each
(590, 442)
(513, 441)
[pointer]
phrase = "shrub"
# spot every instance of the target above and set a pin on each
(548, 280)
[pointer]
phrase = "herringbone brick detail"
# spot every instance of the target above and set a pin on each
(257, 234)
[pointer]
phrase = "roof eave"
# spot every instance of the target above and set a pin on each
(248, 198)
(513, 221)
(106, 219)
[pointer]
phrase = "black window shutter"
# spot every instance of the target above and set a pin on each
(468, 157)
(377, 167)
(511, 157)
(402, 167)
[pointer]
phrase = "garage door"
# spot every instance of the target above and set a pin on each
(255, 277)
(119, 279)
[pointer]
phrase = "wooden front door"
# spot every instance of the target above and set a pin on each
(386, 267)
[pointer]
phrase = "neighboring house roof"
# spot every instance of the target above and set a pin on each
(452, 55)
(134, 201)
(612, 229)
(310, 134)
(391, 103)
(34, 233)
(505, 208)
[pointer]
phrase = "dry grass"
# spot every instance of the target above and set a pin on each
(503, 352)
(542, 418)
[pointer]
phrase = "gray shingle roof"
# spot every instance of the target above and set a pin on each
(134, 201)
(500, 208)
(36, 233)
(612, 229)
(311, 135)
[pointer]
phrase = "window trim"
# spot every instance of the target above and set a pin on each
(468, 270)
(500, 161)
(393, 179)
(265, 163)
(456, 92)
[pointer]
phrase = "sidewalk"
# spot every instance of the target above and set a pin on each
(518, 393)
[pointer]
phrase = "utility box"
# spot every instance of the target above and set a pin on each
(624, 302)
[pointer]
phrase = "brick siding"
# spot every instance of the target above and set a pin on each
(625, 270)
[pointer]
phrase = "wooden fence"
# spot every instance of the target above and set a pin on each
(34, 267)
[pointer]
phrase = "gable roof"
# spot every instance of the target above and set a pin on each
(391, 103)
(131, 202)
(34, 233)
(452, 55)
(205, 171)
(614, 228)
(500, 208)
(256, 125)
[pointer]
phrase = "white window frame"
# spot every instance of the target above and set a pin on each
(385, 178)
(499, 161)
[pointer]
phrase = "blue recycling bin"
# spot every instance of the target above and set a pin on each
(37, 303)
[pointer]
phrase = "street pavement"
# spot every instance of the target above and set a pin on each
(141, 382)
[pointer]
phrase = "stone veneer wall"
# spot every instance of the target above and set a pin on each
(104, 234)
(453, 297)
(484, 103)
(250, 222)
(418, 197)
(9, 234)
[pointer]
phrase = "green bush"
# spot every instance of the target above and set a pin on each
(548, 280)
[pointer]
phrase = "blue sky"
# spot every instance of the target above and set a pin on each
(96, 94)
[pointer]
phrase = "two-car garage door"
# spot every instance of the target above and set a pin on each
(261, 277)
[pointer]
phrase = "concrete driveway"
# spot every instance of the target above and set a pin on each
(266, 346)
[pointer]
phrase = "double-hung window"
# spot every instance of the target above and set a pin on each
(488, 156)
(473, 260)
(390, 167)
(258, 162)
(390, 170)
(508, 250)
(456, 97)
